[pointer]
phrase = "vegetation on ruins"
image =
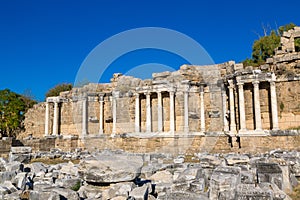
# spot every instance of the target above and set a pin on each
(266, 45)
(58, 89)
(12, 109)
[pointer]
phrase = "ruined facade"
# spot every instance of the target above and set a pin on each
(217, 99)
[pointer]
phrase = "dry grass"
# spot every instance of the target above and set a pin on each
(295, 195)
(53, 161)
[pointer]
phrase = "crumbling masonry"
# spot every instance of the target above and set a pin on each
(218, 99)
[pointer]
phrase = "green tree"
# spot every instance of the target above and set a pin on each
(59, 88)
(12, 110)
(265, 46)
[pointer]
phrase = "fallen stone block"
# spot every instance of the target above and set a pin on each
(140, 193)
(224, 181)
(110, 168)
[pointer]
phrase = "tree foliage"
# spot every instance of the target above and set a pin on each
(12, 110)
(59, 88)
(265, 46)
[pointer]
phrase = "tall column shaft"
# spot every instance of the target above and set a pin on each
(242, 107)
(257, 111)
(148, 113)
(202, 110)
(275, 125)
(114, 113)
(84, 116)
(55, 120)
(159, 112)
(137, 113)
(101, 101)
(47, 119)
(172, 112)
(186, 111)
(232, 107)
(224, 105)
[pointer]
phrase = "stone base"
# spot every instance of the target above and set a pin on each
(253, 133)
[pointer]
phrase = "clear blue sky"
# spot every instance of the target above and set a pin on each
(44, 43)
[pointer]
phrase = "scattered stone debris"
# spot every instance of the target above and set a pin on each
(119, 175)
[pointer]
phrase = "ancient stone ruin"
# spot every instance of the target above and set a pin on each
(225, 99)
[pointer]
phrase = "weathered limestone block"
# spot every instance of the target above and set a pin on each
(119, 189)
(7, 176)
(20, 180)
(68, 183)
(237, 159)
(110, 168)
(140, 193)
(161, 177)
(249, 191)
(90, 192)
(224, 181)
(270, 172)
(277, 193)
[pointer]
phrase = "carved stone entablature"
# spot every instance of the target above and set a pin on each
(57, 99)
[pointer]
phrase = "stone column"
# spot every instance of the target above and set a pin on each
(274, 103)
(114, 111)
(55, 119)
(137, 113)
(242, 107)
(159, 112)
(202, 109)
(47, 119)
(258, 126)
(101, 101)
(224, 105)
(186, 107)
(84, 116)
(148, 112)
(172, 111)
(231, 107)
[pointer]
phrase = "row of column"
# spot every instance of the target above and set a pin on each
(257, 110)
(55, 119)
(115, 95)
(172, 111)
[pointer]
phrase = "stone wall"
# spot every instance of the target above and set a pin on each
(289, 104)
(178, 145)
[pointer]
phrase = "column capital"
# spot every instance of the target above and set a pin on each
(137, 95)
(148, 93)
(255, 82)
(240, 84)
(115, 94)
(101, 96)
(201, 88)
(273, 77)
(186, 84)
(272, 83)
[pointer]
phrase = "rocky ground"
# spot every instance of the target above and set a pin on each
(118, 175)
